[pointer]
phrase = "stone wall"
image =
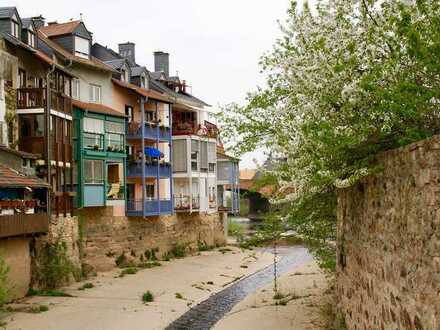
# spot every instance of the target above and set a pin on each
(15, 252)
(388, 273)
(104, 237)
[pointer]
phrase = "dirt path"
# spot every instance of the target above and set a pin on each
(115, 303)
(304, 289)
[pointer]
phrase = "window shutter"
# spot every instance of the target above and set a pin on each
(179, 156)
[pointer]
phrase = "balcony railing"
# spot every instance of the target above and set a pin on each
(23, 224)
(186, 202)
(152, 132)
(135, 170)
(151, 207)
(32, 98)
(191, 128)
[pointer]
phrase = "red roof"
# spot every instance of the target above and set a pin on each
(98, 108)
(142, 91)
(58, 29)
(10, 178)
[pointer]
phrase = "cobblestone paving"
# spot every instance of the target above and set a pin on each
(208, 312)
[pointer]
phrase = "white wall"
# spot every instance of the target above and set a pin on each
(88, 76)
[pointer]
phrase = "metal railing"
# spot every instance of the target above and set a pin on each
(134, 130)
(151, 207)
(186, 202)
(31, 98)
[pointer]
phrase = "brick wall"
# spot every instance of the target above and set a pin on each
(388, 274)
(104, 236)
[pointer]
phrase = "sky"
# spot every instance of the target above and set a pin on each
(214, 44)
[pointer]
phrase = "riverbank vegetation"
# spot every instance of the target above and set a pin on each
(346, 81)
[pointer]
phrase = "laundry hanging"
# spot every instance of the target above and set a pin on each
(153, 152)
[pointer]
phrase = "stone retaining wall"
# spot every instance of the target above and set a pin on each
(104, 237)
(388, 274)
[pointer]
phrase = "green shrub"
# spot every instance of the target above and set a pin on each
(202, 246)
(147, 297)
(86, 286)
(150, 264)
(4, 286)
(54, 266)
(179, 250)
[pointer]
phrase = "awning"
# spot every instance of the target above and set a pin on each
(153, 152)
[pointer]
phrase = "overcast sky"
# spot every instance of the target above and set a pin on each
(214, 44)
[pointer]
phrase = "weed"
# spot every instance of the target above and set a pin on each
(210, 282)
(86, 286)
(179, 250)
(244, 266)
(44, 308)
(167, 256)
(128, 271)
(4, 288)
(147, 254)
(224, 250)
(179, 295)
(147, 297)
(150, 264)
(48, 293)
(121, 259)
(202, 246)
(279, 296)
(54, 267)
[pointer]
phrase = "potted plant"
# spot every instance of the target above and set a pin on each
(96, 147)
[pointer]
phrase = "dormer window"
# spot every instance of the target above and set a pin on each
(143, 81)
(82, 47)
(14, 28)
(124, 75)
(31, 39)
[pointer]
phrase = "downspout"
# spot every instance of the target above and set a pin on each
(170, 150)
(143, 100)
(47, 139)
(158, 159)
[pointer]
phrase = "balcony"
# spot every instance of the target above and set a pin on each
(35, 98)
(191, 128)
(23, 224)
(151, 170)
(185, 203)
(152, 132)
(151, 207)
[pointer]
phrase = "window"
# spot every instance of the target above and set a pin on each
(21, 78)
(194, 155)
(143, 81)
(115, 142)
(149, 191)
(204, 156)
(32, 125)
(95, 93)
(212, 150)
(179, 156)
(31, 39)
(82, 47)
(76, 89)
(150, 116)
(93, 171)
(14, 29)
(124, 75)
(93, 136)
(129, 113)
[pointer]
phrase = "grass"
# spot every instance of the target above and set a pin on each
(202, 246)
(179, 251)
(279, 296)
(179, 295)
(224, 250)
(38, 309)
(147, 297)
(86, 286)
(149, 264)
(128, 271)
(235, 229)
(48, 293)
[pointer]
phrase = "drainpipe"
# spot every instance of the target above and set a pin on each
(158, 159)
(170, 150)
(47, 139)
(143, 100)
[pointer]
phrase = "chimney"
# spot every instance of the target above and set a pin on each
(162, 63)
(127, 50)
(39, 21)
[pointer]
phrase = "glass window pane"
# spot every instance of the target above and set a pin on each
(98, 171)
(88, 171)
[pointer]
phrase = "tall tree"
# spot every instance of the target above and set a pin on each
(347, 80)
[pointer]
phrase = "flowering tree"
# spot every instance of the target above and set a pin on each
(346, 81)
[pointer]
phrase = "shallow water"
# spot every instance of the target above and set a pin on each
(210, 311)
